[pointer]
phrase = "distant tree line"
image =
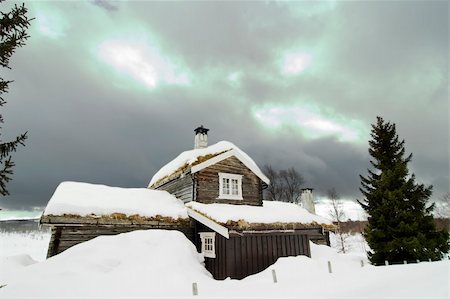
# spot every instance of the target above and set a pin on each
(285, 184)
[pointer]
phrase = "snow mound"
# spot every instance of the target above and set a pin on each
(20, 260)
(188, 158)
(150, 263)
(12, 265)
(309, 278)
(85, 199)
(270, 212)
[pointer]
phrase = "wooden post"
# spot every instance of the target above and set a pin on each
(362, 263)
(274, 276)
(329, 267)
(386, 263)
(194, 289)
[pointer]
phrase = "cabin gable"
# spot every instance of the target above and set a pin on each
(207, 183)
(181, 187)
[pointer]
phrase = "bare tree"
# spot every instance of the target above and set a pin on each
(442, 209)
(285, 184)
(275, 189)
(338, 215)
(292, 183)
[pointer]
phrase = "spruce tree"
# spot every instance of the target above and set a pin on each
(13, 33)
(401, 226)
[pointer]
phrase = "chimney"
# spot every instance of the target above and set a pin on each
(307, 200)
(201, 137)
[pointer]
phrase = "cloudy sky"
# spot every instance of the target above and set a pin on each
(111, 91)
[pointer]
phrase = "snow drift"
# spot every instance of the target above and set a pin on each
(156, 263)
(151, 263)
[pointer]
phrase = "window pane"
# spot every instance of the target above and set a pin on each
(226, 186)
(234, 187)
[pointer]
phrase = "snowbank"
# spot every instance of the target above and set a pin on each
(151, 263)
(270, 212)
(302, 277)
(12, 266)
(188, 158)
(32, 243)
(155, 264)
(85, 199)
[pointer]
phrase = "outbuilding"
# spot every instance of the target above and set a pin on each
(78, 212)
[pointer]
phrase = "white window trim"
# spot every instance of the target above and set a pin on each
(211, 236)
(230, 176)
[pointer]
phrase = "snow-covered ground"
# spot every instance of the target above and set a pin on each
(24, 237)
(354, 243)
(34, 244)
(156, 263)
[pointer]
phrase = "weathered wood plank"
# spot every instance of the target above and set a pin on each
(180, 187)
(207, 187)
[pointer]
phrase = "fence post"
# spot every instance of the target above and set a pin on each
(386, 263)
(194, 289)
(418, 261)
(429, 259)
(329, 267)
(405, 262)
(274, 276)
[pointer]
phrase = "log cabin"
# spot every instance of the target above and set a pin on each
(237, 231)
(213, 194)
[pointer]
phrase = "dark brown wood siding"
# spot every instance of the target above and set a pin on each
(207, 183)
(181, 188)
(64, 237)
(247, 254)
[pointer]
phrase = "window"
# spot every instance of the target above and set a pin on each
(230, 186)
(208, 244)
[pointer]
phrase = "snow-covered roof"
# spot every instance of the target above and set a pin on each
(198, 159)
(83, 199)
(270, 213)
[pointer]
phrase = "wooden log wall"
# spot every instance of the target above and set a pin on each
(181, 188)
(244, 255)
(64, 237)
(207, 183)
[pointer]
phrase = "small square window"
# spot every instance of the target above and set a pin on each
(208, 244)
(230, 186)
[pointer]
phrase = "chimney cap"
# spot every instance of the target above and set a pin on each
(201, 130)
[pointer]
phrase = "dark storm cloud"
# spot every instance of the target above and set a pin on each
(377, 58)
(236, 34)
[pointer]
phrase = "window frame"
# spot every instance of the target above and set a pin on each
(230, 195)
(210, 236)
